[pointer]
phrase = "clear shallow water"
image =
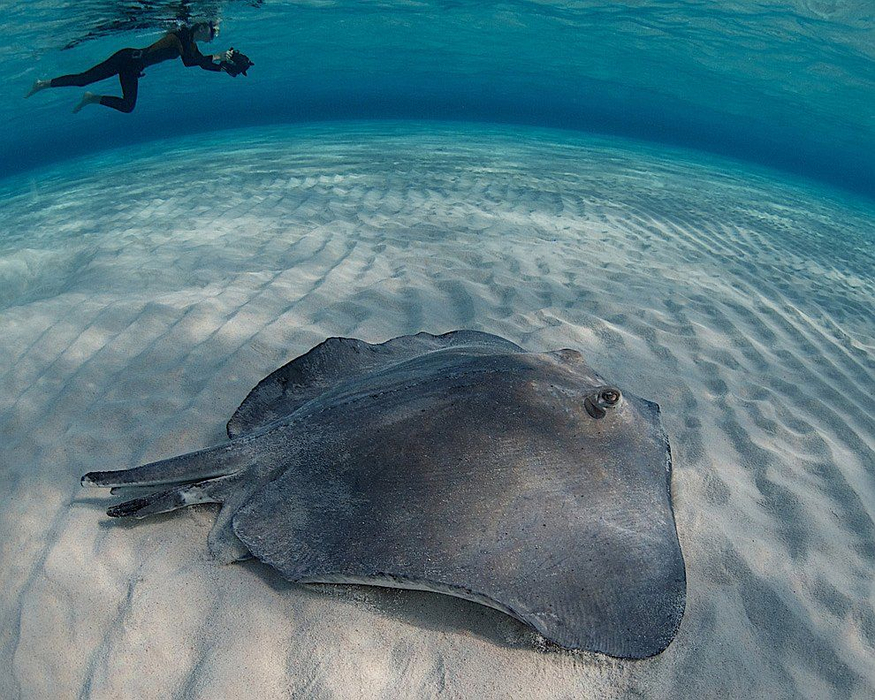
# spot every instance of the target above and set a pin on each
(141, 302)
(788, 84)
(149, 279)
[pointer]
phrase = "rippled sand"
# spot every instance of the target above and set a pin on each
(140, 302)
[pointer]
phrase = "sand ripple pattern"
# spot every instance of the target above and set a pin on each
(140, 302)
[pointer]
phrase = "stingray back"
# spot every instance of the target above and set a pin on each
(487, 479)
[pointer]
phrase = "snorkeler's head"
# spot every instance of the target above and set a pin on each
(205, 30)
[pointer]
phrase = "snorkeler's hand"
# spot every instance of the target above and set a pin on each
(224, 57)
(237, 63)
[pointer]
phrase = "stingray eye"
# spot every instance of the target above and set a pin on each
(596, 403)
(610, 396)
(591, 404)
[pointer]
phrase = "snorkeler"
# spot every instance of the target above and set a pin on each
(128, 65)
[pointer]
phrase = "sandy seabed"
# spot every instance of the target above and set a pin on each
(142, 296)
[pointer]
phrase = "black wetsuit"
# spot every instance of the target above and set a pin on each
(128, 65)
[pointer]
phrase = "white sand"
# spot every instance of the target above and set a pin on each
(140, 302)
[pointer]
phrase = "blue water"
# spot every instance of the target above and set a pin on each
(790, 85)
(684, 191)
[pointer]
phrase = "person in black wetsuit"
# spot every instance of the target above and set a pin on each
(128, 65)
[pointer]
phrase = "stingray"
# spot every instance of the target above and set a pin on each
(457, 463)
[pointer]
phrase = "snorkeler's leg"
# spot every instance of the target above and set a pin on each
(126, 103)
(110, 67)
(37, 86)
(89, 98)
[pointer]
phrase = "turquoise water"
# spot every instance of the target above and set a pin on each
(684, 191)
(144, 291)
(785, 84)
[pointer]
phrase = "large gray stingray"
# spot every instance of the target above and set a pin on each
(456, 463)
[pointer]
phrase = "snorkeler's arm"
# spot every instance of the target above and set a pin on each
(191, 56)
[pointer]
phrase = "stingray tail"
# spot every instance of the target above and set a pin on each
(212, 491)
(196, 466)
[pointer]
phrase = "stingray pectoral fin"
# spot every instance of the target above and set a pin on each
(338, 360)
(195, 466)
